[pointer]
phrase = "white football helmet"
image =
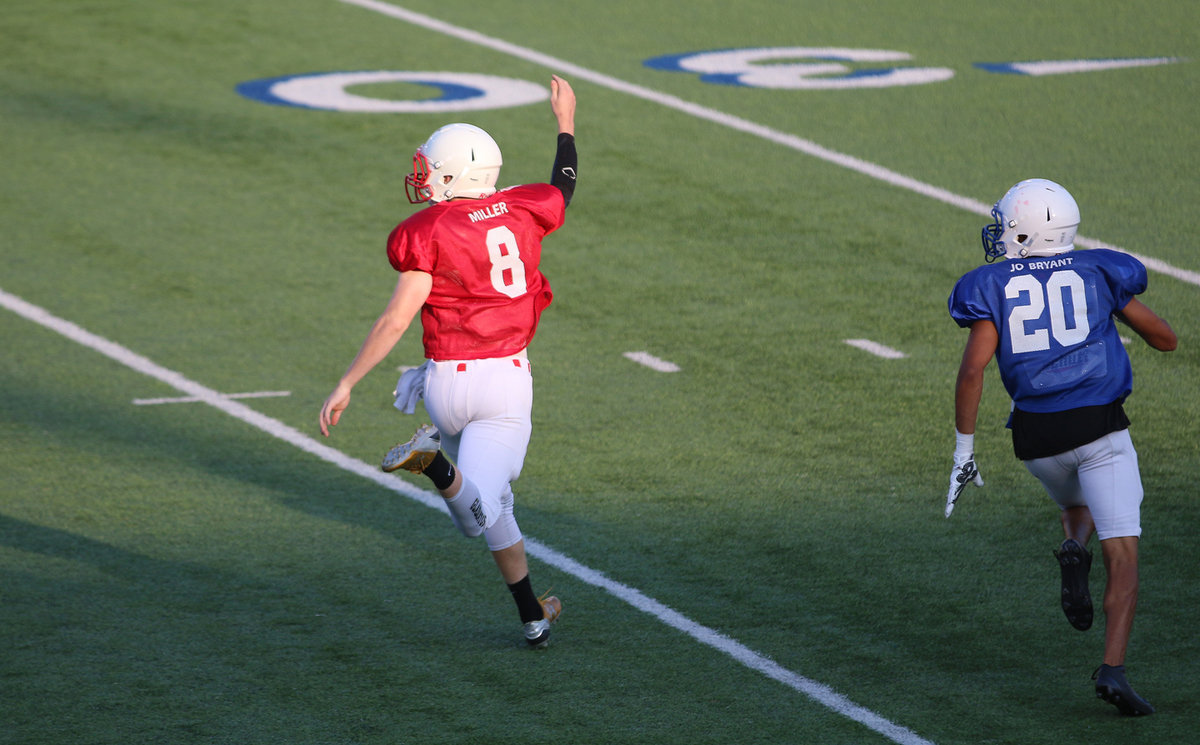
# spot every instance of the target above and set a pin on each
(1035, 218)
(458, 160)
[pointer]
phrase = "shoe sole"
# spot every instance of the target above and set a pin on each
(551, 609)
(407, 456)
(1124, 704)
(1076, 599)
(541, 640)
(402, 456)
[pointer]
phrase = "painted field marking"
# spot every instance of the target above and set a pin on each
(877, 349)
(194, 399)
(459, 91)
(206, 395)
(652, 362)
(818, 692)
(1067, 67)
(799, 144)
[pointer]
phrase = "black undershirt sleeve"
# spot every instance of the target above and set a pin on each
(566, 160)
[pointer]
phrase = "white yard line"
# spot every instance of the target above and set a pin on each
(652, 362)
(194, 400)
(877, 349)
(800, 144)
(819, 692)
(203, 394)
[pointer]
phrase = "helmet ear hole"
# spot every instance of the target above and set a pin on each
(1022, 238)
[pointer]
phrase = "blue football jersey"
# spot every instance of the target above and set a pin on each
(1059, 348)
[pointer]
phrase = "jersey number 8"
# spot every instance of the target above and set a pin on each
(508, 272)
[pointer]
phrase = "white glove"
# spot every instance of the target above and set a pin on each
(964, 470)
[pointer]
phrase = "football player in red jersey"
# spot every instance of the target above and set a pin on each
(468, 264)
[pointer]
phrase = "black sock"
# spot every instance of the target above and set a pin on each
(440, 472)
(527, 603)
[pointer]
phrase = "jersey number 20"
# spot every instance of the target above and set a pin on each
(508, 272)
(1022, 326)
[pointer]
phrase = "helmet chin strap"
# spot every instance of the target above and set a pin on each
(1025, 247)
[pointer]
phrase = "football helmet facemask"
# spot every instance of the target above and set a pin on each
(1036, 217)
(458, 160)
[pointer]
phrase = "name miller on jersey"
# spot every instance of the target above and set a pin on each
(1033, 266)
(495, 210)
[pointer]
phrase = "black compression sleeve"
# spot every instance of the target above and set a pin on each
(566, 160)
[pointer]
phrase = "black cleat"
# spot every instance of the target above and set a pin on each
(1075, 562)
(1113, 688)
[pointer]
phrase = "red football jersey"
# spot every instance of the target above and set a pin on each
(488, 293)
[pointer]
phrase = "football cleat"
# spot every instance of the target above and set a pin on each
(416, 454)
(1112, 687)
(537, 633)
(1075, 562)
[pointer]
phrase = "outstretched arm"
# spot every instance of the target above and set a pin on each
(1148, 325)
(566, 161)
(410, 294)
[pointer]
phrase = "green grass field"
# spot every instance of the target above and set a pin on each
(170, 573)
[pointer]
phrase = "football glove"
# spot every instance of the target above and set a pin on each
(964, 472)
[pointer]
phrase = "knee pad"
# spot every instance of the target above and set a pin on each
(503, 533)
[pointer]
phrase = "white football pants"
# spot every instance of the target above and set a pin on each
(1103, 475)
(482, 408)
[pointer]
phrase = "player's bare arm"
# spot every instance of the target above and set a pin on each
(1148, 325)
(968, 390)
(410, 294)
(981, 346)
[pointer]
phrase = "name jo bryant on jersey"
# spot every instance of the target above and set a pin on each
(1035, 265)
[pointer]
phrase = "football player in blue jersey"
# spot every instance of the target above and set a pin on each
(1048, 315)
